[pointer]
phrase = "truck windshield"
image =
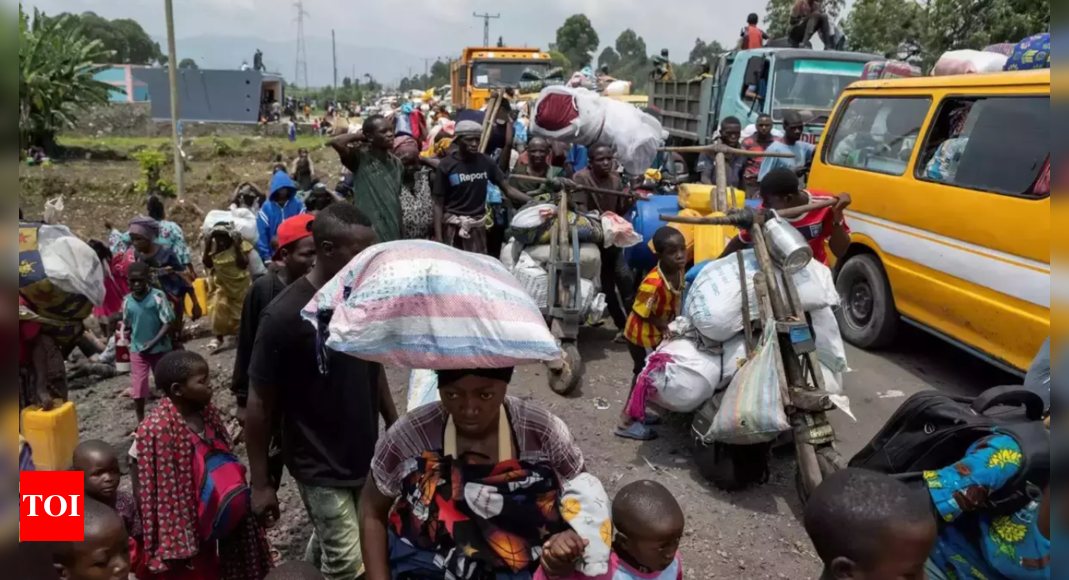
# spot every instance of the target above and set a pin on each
(811, 86)
(488, 74)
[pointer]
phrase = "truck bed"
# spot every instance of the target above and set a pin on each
(683, 106)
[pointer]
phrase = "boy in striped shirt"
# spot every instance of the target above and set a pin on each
(659, 302)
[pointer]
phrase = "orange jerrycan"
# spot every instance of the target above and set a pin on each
(53, 436)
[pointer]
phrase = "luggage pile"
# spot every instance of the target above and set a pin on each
(708, 357)
(582, 117)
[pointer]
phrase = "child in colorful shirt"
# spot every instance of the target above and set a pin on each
(1010, 546)
(658, 303)
(148, 316)
(649, 526)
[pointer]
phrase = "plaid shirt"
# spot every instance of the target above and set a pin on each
(540, 436)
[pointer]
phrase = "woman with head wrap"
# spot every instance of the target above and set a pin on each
(168, 272)
(468, 487)
(417, 205)
(170, 236)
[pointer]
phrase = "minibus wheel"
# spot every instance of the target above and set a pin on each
(868, 317)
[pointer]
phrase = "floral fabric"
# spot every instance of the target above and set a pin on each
(171, 237)
(1009, 547)
(169, 496)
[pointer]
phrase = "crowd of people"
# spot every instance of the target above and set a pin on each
(470, 487)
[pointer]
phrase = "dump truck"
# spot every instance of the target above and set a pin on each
(479, 71)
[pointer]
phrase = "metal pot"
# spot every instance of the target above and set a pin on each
(788, 248)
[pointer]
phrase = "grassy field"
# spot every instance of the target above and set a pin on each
(236, 146)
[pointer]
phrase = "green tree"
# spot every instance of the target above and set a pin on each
(578, 40)
(560, 60)
(57, 63)
(608, 58)
(188, 63)
(778, 15)
(124, 37)
(920, 31)
(705, 52)
(631, 47)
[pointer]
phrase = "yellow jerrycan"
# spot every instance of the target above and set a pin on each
(52, 435)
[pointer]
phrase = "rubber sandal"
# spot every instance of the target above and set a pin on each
(637, 432)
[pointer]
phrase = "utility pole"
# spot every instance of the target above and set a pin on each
(486, 25)
(172, 74)
(334, 49)
(301, 70)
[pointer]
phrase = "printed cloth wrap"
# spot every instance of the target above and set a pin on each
(423, 305)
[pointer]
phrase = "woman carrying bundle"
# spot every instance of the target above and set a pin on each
(469, 487)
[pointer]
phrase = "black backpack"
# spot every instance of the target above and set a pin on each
(933, 430)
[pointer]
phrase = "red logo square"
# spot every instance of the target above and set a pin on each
(52, 506)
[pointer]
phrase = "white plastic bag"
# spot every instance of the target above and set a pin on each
(752, 410)
(688, 381)
(422, 389)
(241, 220)
(70, 264)
(963, 62)
(833, 382)
(510, 254)
(533, 279)
(619, 232)
(54, 211)
(533, 217)
(830, 346)
(714, 302)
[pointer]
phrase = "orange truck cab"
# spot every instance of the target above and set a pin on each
(481, 70)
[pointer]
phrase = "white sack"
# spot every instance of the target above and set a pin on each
(734, 356)
(690, 379)
(241, 220)
(963, 62)
(830, 347)
(533, 217)
(70, 264)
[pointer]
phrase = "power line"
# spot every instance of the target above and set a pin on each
(301, 70)
(486, 25)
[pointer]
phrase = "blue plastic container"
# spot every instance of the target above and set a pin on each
(646, 219)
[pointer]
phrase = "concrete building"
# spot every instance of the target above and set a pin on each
(204, 96)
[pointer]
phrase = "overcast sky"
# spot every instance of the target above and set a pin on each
(434, 28)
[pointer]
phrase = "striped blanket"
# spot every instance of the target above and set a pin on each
(422, 305)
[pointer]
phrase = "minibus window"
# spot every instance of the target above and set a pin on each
(878, 134)
(992, 144)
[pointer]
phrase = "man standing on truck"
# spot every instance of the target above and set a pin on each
(793, 127)
(807, 19)
(759, 142)
(730, 136)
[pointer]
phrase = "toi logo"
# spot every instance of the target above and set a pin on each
(52, 506)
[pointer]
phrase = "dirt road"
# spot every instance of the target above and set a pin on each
(751, 535)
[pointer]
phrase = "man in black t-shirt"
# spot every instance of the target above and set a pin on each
(329, 408)
(460, 192)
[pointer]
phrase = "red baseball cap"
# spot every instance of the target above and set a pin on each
(294, 229)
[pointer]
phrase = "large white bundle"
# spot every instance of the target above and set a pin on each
(589, 258)
(422, 305)
(535, 280)
(70, 264)
(239, 219)
(963, 62)
(617, 89)
(734, 356)
(633, 134)
(689, 380)
(714, 303)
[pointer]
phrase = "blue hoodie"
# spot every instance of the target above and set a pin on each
(272, 214)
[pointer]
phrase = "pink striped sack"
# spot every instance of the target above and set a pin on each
(422, 305)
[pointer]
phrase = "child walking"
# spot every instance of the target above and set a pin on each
(100, 464)
(649, 525)
(658, 303)
(148, 316)
(192, 491)
(226, 256)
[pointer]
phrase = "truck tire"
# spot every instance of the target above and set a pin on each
(868, 317)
